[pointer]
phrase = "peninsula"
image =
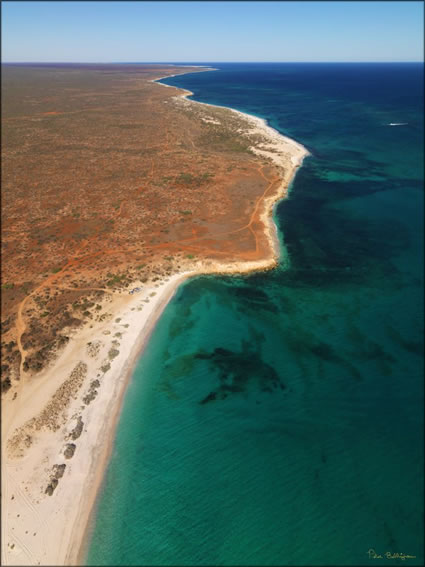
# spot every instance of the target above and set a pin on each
(115, 189)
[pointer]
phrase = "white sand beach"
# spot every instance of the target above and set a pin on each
(42, 529)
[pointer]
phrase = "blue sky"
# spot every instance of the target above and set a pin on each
(212, 31)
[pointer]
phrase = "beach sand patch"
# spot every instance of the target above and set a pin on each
(52, 416)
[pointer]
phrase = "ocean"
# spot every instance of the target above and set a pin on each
(277, 418)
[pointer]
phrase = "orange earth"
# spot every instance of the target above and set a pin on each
(112, 181)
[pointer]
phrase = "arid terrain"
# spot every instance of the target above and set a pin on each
(115, 189)
(108, 179)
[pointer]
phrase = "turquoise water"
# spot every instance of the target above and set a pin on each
(277, 419)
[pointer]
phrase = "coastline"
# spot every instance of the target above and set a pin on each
(277, 149)
(82, 536)
(70, 509)
(63, 517)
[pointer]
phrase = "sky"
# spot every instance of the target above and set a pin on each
(242, 31)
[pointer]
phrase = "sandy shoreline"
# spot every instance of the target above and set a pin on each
(152, 315)
(59, 521)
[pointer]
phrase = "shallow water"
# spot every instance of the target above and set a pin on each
(277, 419)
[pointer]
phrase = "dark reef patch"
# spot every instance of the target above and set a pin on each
(237, 371)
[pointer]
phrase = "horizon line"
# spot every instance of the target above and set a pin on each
(204, 63)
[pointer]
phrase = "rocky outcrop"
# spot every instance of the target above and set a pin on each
(76, 432)
(69, 450)
(51, 487)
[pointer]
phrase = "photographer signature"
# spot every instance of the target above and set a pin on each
(388, 555)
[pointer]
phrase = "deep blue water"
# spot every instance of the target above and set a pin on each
(277, 419)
